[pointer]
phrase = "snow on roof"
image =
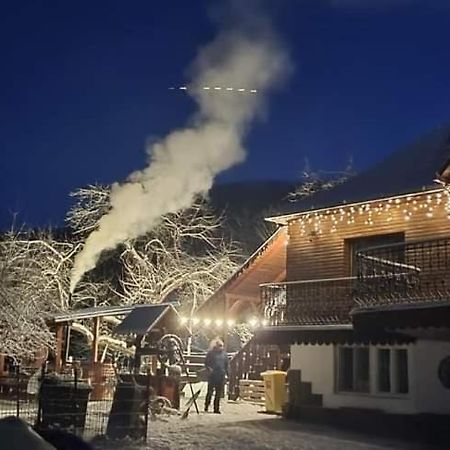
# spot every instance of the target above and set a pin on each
(411, 169)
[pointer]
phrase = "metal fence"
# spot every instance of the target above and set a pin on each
(413, 272)
(115, 408)
(310, 302)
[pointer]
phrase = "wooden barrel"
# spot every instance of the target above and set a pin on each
(102, 378)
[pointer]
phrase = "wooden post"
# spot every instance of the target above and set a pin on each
(2, 365)
(226, 317)
(67, 344)
(59, 344)
(95, 341)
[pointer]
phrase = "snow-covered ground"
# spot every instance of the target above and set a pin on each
(242, 426)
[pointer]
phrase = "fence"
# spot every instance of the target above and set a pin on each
(412, 272)
(251, 361)
(47, 401)
(308, 302)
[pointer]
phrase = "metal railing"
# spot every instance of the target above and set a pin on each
(408, 273)
(311, 302)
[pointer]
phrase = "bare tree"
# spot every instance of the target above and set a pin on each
(34, 285)
(90, 204)
(184, 259)
(313, 182)
(31, 288)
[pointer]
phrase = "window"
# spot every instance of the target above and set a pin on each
(393, 371)
(354, 374)
(355, 245)
(372, 370)
(401, 361)
(384, 370)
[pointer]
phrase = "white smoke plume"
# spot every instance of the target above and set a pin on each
(184, 164)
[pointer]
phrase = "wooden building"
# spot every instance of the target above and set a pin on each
(365, 304)
(239, 298)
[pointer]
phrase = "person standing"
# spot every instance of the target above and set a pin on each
(216, 363)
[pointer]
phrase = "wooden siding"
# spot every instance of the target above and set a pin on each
(317, 252)
(269, 267)
(242, 291)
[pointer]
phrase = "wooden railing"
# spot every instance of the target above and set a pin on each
(408, 273)
(311, 302)
(250, 362)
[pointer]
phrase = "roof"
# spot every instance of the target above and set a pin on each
(143, 318)
(271, 260)
(89, 313)
(408, 170)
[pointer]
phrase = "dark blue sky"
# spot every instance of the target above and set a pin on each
(84, 85)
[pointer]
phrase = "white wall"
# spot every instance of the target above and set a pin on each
(317, 365)
(430, 395)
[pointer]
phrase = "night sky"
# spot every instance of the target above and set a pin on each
(84, 86)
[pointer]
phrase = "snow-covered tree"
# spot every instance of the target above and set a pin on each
(33, 274)
(34, 285)
(313, 182)
(184, 259)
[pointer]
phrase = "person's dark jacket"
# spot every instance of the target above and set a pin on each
(217, 363)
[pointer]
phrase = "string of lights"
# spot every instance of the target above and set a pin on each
(253, 322)
(375, 212)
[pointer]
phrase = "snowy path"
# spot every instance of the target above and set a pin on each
(241, 427)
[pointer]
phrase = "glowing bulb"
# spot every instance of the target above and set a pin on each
(207, 322)
(253, 322)
(195, 320)
(219, 322)
(230, 322)
(184, 320)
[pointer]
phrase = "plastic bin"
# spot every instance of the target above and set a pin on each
(274, 390)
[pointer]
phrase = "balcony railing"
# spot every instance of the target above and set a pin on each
(311, 302)
(409, 273)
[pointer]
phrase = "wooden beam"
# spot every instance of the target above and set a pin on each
(67, 344)
(2, 365)
(58, 347)
(226, 316)
(95, 340)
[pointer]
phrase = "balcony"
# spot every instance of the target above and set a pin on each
(404, 274)
(311, 302)
(413, 273)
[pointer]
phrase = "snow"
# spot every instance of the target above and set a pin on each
(243, 426)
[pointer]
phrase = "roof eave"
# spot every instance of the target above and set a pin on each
(284, 219)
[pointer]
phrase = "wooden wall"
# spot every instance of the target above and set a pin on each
(318, 244)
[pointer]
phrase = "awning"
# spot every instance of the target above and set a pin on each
(89, 313)
(143, 318)
(326, 335)
(398, 317)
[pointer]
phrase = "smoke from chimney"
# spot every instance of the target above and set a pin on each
(184, 164)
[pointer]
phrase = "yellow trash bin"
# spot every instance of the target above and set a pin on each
(274, 390)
